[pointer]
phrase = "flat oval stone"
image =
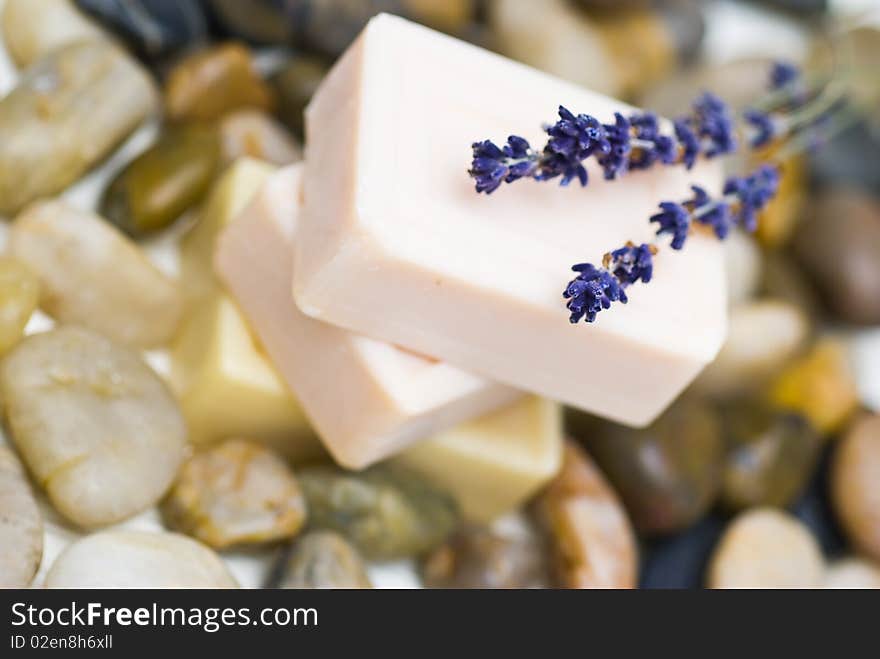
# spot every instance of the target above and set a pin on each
(34, 28)
(770, 455)
(163, 182)
(254, 134)
(855, 484)
(233, 493)
(211, 82)
(591, 539)
(766, 548)
(851, 573)
(322, 559)
(762, 336)
(138, 559)
(96, 426)
(21, 525)
(68, 111)
(152, 28)
(385, 512)
(838, 244)
(819, 385)
(19, 297)
(667, 474)
(479, 557)
(294, 85)
(94, 276)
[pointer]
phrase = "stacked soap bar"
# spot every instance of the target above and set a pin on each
(225, 384)
(366, 399)
(493, 464)
(395, 244)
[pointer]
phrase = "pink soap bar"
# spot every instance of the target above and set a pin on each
(395, 244)
(366, 399)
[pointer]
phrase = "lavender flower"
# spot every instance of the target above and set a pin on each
(715, 214)
(492, 165)
(675, 220)
(593, 290)
(712, 122)
(650, 144)
(573, 139)
(763, 125)
(616, 160)
(783, 74)
(688, 142)
(751, 193)
(631, 263)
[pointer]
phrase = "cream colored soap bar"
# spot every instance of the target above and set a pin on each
(395, 243)
(493, 464)
(228, 196)
(226, 386)
(366, 399)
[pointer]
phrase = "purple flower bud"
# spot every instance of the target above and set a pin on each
(674, 220)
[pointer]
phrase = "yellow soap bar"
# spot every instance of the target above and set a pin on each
(494, 463)
(227, 198)
(227, 388)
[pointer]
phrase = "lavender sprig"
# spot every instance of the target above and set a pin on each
(637, 142)
(596, 288)
(634, 142)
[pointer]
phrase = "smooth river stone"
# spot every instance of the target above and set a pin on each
(138, 559)
(151, 27)
(762, 337)
(591, 538)
(211, 82)
(853, 573)
(855, 484)
(254, 134)
(770, 455)
(480, 557)
(322, 560)
(21, 525)
(19, 297)
(386, 512)
(667, 474)
(766, 548)
(34, 28)
(95, 425)
(92, 275)
(838, 245)
(164, 181)
(294, 85)
(819, 385)
(235, 493)
(440, 269)
(618, 52)
(69, 111)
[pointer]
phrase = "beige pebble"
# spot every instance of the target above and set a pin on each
(236, 492)
(766, 548)
(855, 484)
(95, 425)
(592, 541)
(34, 28)
(93, 275)
(853, 573)
(138, 559)
(21, 525)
